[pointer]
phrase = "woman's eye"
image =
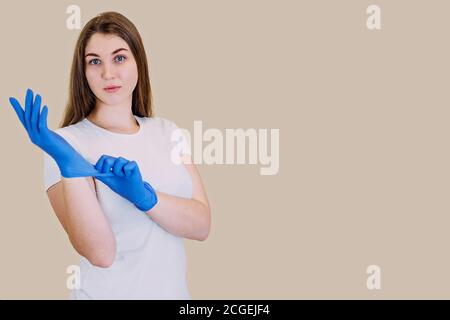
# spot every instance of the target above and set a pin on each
(96, 61)
(124, 58)
(90, 62)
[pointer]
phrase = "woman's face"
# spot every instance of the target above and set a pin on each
(109, 62)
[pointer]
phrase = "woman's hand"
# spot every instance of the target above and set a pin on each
(70, 162)
(127, 181)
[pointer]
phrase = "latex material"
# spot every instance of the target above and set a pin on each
(70, 162)
(127, 181)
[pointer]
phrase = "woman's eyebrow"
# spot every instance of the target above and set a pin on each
(114, 52)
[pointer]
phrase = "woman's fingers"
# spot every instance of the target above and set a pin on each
(118, 166)
(28, 105)
(130, 168)
(43, 119)
(35, 110)
(32, 119)
(18, 109)
(105, 163)
(99, 164)
(108, 163)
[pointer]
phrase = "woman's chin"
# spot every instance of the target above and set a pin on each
(112, 100)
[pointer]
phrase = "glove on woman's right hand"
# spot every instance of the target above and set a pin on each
(70, 162)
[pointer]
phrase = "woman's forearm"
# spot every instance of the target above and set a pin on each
(89, 231)
(187, 218)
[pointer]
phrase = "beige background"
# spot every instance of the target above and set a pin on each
(363, 118)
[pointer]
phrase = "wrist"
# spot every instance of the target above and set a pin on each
(149, 200)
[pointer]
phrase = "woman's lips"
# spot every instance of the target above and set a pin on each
(111, 89)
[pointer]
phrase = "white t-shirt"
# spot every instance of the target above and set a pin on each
(150, 262)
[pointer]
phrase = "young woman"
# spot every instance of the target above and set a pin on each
(126, 215)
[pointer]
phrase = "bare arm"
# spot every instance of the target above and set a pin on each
(187, 218)
(76, 206)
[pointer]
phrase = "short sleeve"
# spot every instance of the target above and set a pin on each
(52, 174)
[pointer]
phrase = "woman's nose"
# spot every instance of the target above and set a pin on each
(108, 71)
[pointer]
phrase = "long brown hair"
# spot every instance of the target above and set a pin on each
(81, 99)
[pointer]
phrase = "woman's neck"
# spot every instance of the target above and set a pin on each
(115, 121)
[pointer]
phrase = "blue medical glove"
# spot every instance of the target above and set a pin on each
(127, 181)
(70, 162)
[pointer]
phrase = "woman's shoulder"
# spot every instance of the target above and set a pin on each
(160, 123)
(69, 128)
(71, 132)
